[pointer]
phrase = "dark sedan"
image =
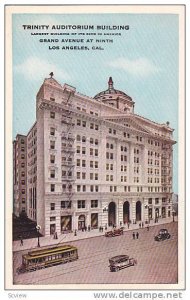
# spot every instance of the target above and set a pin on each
(162, 235)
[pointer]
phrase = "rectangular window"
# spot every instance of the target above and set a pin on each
(78, 175)
(111, 155)
(96, 127)
(96, 152)
(22, 182)
(156, 200)
(83, 150)
(78, 149)
(91, 176)
(107, 177)
(84, 188)
(52, 131)
(96, 142)
(96, 164)
(91, 125)
(52, 174)
(78, 122)
(96, 176)
(150, 201)
(96, 188)
(78, 188)
(94, 203)
(65, 204)
(91, 151)
(52, 219)
(78, 162)
(92, 188)
(52, 114)
(111, 188)
(83, 163)
(115, 189)
(52, 206)
(22, 156)
(52, 145)
(81, 203)
(83, 123)
(83, 175)
(91, 164)
(52, 159)
(52, 187)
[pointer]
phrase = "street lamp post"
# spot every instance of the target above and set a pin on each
(38, 227)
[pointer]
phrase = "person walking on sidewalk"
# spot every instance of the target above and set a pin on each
(137, 235)
(21, 241)
(133, 235)
(147, 227)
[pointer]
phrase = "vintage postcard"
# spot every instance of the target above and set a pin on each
(95, 147)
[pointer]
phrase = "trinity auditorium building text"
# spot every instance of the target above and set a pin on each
(91, 162)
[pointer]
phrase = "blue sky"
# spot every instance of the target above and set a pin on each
(143, 63)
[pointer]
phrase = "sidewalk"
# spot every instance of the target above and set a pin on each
(68, 237)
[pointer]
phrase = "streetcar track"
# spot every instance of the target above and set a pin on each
(95, 262)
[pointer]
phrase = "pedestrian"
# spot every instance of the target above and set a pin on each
(133, 235)
(75, 234)
(21, 241)
(56, 237)
(128, 224)
(137, 235)
(147, 227)
(140, 225)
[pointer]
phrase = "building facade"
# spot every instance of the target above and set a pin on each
(94, 162)
(19, 175)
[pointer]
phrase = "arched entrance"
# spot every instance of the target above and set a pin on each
(126, 212)
(81, 222)
(111, 214)
(138, 211)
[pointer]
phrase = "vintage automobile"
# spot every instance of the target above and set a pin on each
(120, 262)
(114, 232)
(162, 235)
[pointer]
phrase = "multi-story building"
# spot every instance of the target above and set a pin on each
(94, 162)
(19, 175)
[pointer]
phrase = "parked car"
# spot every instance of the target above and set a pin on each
(162, 235)
(114, 232)
(120, 262)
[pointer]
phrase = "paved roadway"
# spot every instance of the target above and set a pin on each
(157, 261)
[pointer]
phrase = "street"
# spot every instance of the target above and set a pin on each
(157, 262)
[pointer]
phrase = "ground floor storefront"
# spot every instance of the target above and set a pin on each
(109, 212)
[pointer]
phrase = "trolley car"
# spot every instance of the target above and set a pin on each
(47, 257)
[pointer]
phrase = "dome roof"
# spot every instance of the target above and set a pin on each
(110, 92)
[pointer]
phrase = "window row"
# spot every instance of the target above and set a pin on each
(156, 171)
(84, 124)
(151, 142)
(156, 180)
(112, 131)
(151, 153)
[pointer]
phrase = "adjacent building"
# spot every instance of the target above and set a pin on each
(93, 161)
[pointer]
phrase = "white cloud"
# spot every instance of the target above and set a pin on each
(34, 68)
(137, 67)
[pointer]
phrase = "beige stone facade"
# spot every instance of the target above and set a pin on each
(93, 162)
